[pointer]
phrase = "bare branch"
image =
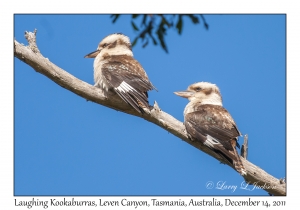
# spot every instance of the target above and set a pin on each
(244, 150)
(31, 56)
(31, 38)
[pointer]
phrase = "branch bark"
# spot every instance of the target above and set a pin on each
(32, 56)
(244, 150)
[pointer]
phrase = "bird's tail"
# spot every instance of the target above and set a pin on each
(139, 101)
(230, 156)
(238, 164)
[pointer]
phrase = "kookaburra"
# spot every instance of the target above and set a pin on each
(116, 70)
(207, 121)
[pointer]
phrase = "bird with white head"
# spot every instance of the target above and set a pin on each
(115, 70)
(207, 121)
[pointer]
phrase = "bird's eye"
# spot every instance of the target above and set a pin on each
(197, 89)
(104, 45)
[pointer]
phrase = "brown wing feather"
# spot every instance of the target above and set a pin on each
(126, 69)
(214, 122)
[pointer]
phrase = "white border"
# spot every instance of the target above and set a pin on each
(154, 6)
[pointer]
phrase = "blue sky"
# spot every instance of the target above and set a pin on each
(64, 145)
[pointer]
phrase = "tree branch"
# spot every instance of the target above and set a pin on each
(244, 150)
(32, 56)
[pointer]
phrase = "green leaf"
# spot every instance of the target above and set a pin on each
(134, 41)
(205, 23)
(206, 26)
(134, 26)
(135, 16)
(161, 28)
(193, 18)
(115, 17)
(179, 25)
(145, 44)
(164, 21)
(160, 35)
(161, 31)
(153, 39)
(144, 19)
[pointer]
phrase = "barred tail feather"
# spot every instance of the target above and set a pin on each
(238, 164)
(232, 157)
(138, 100)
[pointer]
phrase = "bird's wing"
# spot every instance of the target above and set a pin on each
(128, 81)
(215, 128)
(213, 121)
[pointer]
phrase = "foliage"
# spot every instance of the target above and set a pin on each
(154, 27)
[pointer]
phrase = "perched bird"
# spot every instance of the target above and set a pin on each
(115, 70)
(207, 121)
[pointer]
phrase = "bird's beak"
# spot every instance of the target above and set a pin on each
(92, 54)
(184, 94)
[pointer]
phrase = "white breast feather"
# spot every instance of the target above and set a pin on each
(99, 80)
